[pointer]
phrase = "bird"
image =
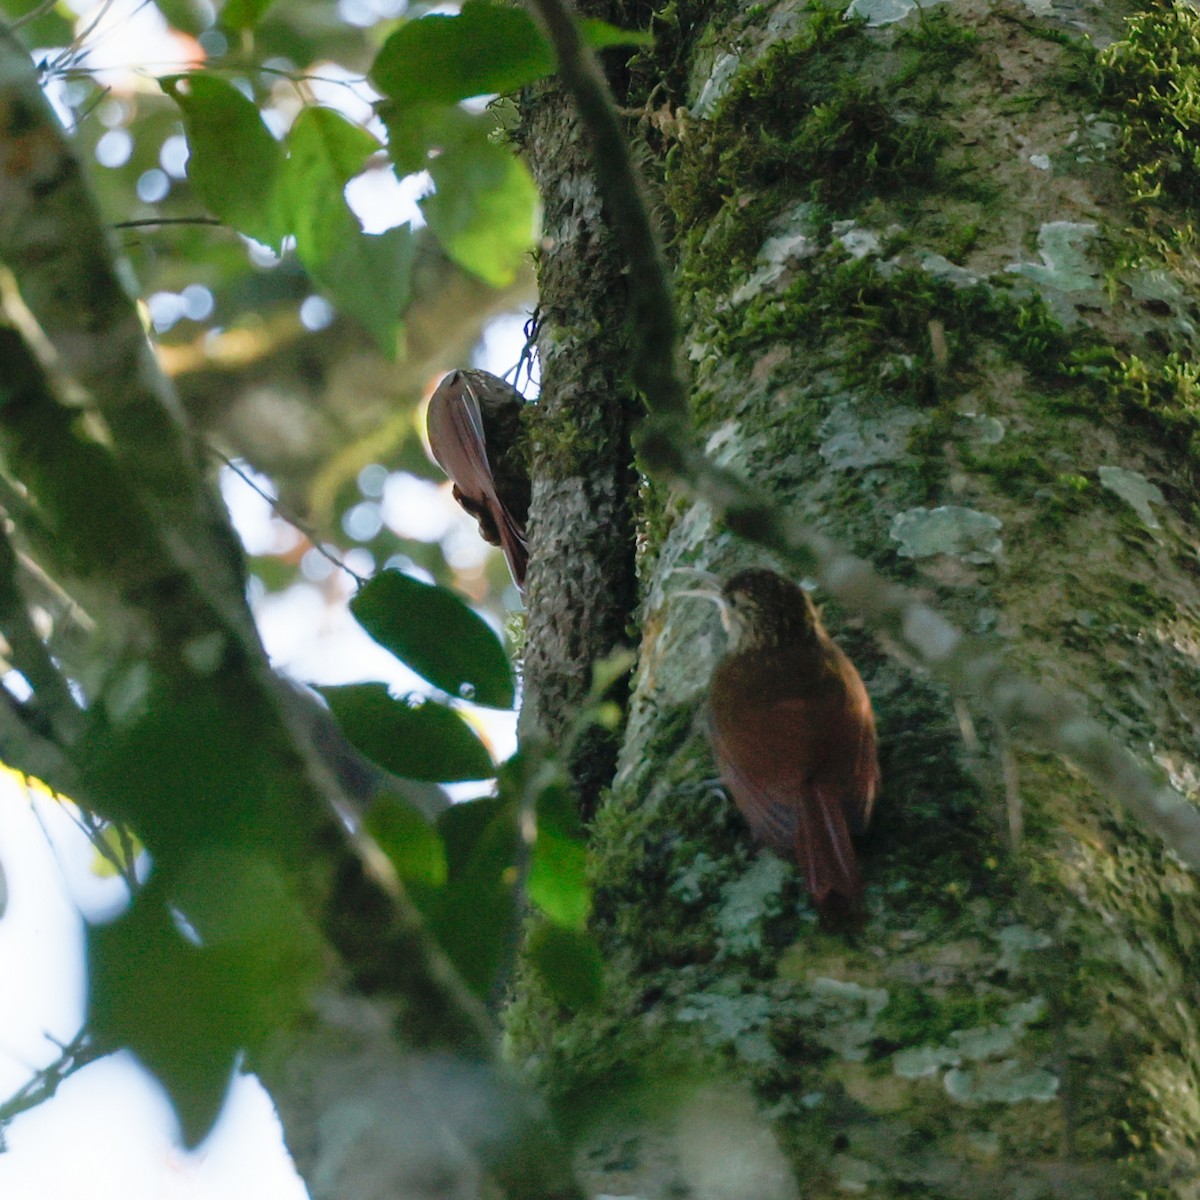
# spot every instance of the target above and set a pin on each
(793, 733)
(474, 426)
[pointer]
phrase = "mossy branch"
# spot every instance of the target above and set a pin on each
(668, 448)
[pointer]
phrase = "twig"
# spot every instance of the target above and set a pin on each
(75, 1055)
(1012, 788)
(282, 512)
(145, 221)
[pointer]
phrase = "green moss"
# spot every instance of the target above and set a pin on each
(1152, 79)
(938, 42)
(562, 446)
(874, 318)
(915, 1016)
(1166, 393)
(828, 135)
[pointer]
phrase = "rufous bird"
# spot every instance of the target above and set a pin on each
(474, 427)
(793, 733)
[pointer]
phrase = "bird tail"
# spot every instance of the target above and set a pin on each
(824, 850)
(514, 545)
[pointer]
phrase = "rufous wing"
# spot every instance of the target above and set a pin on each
(454, 423)
(802, 771)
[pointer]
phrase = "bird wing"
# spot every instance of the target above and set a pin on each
(800, 785)
(770, 817)
(454, 423)
(455, 427)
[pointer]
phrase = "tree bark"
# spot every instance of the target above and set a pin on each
(918, 301)
(582, 586)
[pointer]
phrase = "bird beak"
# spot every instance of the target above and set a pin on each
(711, 591)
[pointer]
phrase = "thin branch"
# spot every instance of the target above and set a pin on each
(30, 655)
(281, 511)
(28, 748)
(93, 828)
(74, 1056)
(144, 222)
(669, 450)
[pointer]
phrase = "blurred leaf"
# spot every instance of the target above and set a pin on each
(432, 631)
(171, 1004)
(558, 882)
(243, 14)
(189, 16)
(415, 130)
(569, 963)
(52, 28)
(557, 811)
(461, 827)
(444, 59)
(483, 211)
(234, 162)
(474, 915)
(184, 766)
(275, 572)
(406, 837)
(608, 671)
(600, 35)
(205, 963)
(368, 276)
(423, 740)
(324, 152)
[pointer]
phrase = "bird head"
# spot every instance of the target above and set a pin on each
(758, 607)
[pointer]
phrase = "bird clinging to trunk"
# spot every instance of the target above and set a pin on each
(474, 426)
(793, 733)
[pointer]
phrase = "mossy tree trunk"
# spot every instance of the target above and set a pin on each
(931, 304)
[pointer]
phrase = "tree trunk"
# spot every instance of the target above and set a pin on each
(924, 307)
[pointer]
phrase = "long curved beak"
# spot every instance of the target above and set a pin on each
(710, 591)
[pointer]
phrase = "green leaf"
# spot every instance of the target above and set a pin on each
(484, 211)
(407, 838)
(417, 130)
(324, 152)
(234, 162)
(443, 59)
(186, 1003)
(369, 277)
(187, 15)
(154, 993)
(558, 882)
(184, 764)
(431, 630)
(48, 28)
(600, 35)
(243, 14)
(462, 827)
(421, 740)
(473, 916)
(569, 963)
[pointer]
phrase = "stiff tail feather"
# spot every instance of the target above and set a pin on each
(824, 850)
